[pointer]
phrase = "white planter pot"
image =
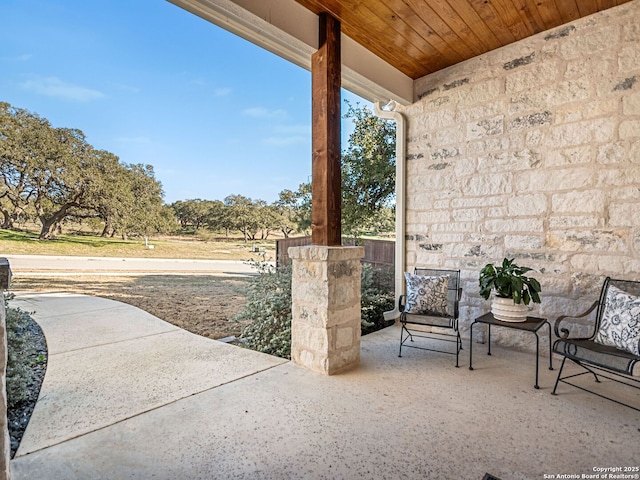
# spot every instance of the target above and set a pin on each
(506, 310)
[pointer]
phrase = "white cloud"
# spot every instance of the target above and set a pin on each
(285, 141)
(25, 57)
(287, 135)
(126, 88)
(200, 82)
(54, 87)
(293, 129)
(221, 92)
(260, 112)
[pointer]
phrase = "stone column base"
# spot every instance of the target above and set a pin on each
(5, 442)
(325, 329)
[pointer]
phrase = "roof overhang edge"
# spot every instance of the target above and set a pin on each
(290, 31)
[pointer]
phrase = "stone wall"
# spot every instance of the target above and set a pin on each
(532, 151)
(325, 328)
(5, 443)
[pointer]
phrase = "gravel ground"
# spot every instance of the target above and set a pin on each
(201, 304)
(18, 416)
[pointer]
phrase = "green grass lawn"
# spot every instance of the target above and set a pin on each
(27, 243)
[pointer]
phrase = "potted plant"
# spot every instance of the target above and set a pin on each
(512, 289)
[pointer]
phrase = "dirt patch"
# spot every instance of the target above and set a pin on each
(202, 304)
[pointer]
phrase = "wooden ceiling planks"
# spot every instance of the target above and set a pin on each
(408, 26)
(568, 10)
(587, 8)
(508, 22)
(549, 13)
(401, 11)
(419, 37)
(461, 17)
(362, 25)
(530, 15)
(604, 4)
(460, 43)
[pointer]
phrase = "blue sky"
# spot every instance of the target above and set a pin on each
(214, 114)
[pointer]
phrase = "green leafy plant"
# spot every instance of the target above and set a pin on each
(376, 298)
(509, 281)
(268, 307)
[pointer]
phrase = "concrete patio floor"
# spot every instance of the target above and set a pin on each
(128, 396)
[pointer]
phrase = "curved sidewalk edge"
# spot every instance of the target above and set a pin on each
(109, 361)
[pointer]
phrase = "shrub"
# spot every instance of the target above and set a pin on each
(376, 298)
(19, 353)
(268, 308)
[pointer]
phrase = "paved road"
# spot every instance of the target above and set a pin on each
(60, 265)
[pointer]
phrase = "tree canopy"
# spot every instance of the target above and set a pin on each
(52, 175)
(368, 177)
(368, 170)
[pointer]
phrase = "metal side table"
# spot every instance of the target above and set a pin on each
(532, 324)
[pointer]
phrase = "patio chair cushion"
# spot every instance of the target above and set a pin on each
(426, 294)
(620, 325)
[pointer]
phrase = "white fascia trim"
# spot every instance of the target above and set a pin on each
(287, 29)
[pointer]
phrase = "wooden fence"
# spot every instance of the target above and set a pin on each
(377, 252)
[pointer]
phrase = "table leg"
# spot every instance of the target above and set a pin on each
(536, 386)
(489, 351)
(471, 347)
(550, 358)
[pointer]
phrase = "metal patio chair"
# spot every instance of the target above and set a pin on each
(612, 362)
(443, 326)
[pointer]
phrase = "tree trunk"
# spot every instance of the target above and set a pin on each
(7, 223)
(49, 224)
(47, 228)
(107, 229)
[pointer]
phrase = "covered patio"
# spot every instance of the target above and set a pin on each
(518, 137)
(223, 412)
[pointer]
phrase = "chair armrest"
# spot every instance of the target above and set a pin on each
(401, 303)
(564, 332)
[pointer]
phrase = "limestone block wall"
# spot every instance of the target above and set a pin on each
(532, 151)
(326, 311)
(5, 443)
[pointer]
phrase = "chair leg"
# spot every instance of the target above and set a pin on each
(406, 334)
(564, 359)
(595, 376)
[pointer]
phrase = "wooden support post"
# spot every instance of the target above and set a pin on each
(326, 183)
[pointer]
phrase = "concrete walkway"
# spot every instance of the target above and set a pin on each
(54, 265)
(129, 396)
